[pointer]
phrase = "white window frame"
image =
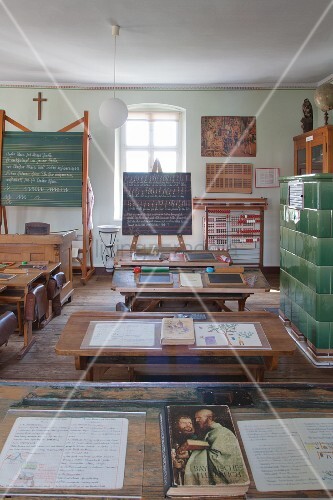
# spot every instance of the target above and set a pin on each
(150, 111)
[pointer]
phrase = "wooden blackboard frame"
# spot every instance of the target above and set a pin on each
(87, 268)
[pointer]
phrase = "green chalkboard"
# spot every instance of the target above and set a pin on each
(42, 169)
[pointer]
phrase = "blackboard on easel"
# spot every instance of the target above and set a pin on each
(42, 169)
(157, 203)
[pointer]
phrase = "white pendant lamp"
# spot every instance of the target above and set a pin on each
(113, 112)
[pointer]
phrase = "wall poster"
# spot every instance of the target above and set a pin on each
(228, 136)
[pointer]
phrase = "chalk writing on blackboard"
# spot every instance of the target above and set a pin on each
(42, 169)
(157, 203)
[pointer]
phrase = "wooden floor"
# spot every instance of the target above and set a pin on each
(42, 364)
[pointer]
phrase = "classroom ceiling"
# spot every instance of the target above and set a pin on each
(167, 42)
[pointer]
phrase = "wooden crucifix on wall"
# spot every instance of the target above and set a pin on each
(39, 99)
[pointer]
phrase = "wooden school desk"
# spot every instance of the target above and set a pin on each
(145, 299)
(174, 359)
(246, 402)
(21, 284)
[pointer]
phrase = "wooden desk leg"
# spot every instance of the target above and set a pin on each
(221, 304)
(28, 340)
(271, 362)
(241, 303)
(259, 374)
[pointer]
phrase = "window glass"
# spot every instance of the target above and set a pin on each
(137, 133)
(165, 133)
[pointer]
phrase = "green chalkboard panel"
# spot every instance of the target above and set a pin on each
(42, 169)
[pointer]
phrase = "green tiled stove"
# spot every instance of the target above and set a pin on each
(306, 260)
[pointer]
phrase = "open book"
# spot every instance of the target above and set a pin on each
(205, 458)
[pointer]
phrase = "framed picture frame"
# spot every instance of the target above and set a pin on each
(267, 177)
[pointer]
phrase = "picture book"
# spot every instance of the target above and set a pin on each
(204, 456)
(176, 331)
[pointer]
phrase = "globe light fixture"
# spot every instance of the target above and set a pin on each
(113, 112)
(323, 98)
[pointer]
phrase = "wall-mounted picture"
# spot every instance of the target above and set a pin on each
(228, 136)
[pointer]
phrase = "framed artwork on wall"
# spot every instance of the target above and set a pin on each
(267, 177)
(228, 136)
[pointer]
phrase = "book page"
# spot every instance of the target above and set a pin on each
(277, 457)
(119, 334)
(68, 453)
(228, 334)
(192, 280)
(317, 437)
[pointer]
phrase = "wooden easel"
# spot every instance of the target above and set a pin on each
(87, 268)
(157, 169)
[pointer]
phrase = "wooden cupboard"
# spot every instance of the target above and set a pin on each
(313, 151)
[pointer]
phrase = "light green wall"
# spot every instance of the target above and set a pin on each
(278, 120)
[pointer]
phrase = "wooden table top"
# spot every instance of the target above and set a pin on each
(125, 281)
(72, 336)
(124, 258)
(25, 279)
(246, 401)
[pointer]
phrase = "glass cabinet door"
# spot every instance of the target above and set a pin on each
(301, 161)
(317, 159)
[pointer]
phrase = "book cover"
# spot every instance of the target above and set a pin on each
(176, 331)
(204, 455)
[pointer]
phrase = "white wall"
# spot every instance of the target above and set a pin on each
(278, 120)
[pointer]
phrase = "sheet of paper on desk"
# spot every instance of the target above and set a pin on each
(120, 334)
(192, 280)
(67, 453)
(290, 454)
(227, 334)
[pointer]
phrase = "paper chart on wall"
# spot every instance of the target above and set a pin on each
(208, 334)
(67, 453)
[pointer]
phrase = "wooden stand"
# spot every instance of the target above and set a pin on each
(135, 239)
(87, 268)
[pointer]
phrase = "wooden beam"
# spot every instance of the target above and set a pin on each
(17, 124)
(72, 125)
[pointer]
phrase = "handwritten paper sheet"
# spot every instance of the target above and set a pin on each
(66, 453)
(289, 454)
(226, 334)
(192, 280)
(121, 334)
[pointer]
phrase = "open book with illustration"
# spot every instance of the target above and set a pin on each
(205, 458)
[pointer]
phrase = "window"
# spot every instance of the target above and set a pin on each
(151, 135)
(152, 131)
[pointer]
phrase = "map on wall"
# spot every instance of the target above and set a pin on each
(228, 136)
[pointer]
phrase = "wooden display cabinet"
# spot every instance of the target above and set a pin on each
(313, 151)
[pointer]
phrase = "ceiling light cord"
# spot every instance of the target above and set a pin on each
(114, 65)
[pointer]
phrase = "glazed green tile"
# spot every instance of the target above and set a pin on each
(303, 271)
(284, 193)
(300, 239)
(310, 248)
(325, 195)
(282, 302)
(282, 258)
(287, 308)
(283, 238)
(292, 288)
(310, 195)
(282, 219)
(291, 240)
(302, 321)
(324, 252)
(321, 336)
(299, 294)
(295, 312)
(284, 282)
(323, 310)
(303, 224)
(320, 223)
